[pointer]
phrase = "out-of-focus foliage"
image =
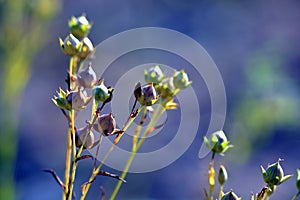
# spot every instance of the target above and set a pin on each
(24, 25)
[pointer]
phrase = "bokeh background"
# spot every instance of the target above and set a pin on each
(255, 44)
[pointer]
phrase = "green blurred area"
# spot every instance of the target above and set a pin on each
(24, 30)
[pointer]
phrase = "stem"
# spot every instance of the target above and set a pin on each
(96, 171)
(70, 193)
(296, 195)
(158, 112)
(220, 193)
(69, 138)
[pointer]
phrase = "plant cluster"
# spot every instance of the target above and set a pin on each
(151, 99)
(273, 175)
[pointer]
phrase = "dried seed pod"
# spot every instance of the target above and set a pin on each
(146, 94)
(78, 99)
(87, 78)
(79, 138)
(106, 124)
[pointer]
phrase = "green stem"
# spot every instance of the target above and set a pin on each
(70, 193)
(96, 171)
(296, 195)
(220, 192)
(158, 112)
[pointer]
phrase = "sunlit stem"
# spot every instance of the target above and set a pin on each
(154, 119)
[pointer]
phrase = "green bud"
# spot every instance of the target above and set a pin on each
(87, 77)
(106, 124)
(222, 176)
(78, 99)
(86, 48)
(79, 26)
(154, 75)
(298, 180)
(79, 137)
(218, 142)
(274, 174)
(71, 45)
(181, 80)
(166, 89)
(101, 92)
(146, 94)
(61, 100)
(230, 196)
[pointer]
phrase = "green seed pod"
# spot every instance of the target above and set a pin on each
(87, 78)
(71, 45)
(222, 176)
(274, 174)
(106, 124)
(86, 48)
(181, 80)
(101, 92)
(154, 75)
(78, 99)
(146, 94)
(79, 137)
(230, 196)
(218, 142)
(298, 180)
(79, 26)
(166, 89)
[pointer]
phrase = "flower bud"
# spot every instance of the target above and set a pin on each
(166, 89)
(101, 92)
(78, 99)
(61, 100)
(146, 94)
(71, 45)
(154, 75)
(79, 26)
(298, 180)
(218, 142)
(274, 174)
(181, 80)
(87, 78)
(106, 124)
(79, 138)
(230, 196)
(86, 48)
(222, 176)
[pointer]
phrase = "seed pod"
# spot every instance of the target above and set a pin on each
(101, 92)
(274, 174)
(79, 138)
(71, 45)
(86, 48)
(87, 78)
(106, 124)
(218, 142)
(79, 26)
(154, 75)
(222, 176)
(230, 196)
(181, 80)
(146, 94)
(78, 99)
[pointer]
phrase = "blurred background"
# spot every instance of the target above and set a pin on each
(255, 44)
